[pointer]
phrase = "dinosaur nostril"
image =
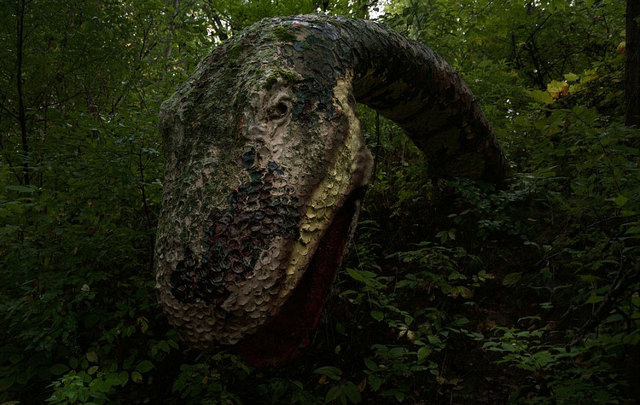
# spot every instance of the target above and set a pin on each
(279, 110)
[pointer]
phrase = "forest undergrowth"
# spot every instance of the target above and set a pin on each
(452, 292)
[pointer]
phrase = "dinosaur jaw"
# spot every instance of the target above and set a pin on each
(324, 234)
(278, 341)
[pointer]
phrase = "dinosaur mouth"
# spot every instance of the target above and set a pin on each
(278, 341)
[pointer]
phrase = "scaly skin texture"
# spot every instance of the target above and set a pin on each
(263, 148)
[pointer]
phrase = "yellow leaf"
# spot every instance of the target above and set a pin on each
(571, 77)
(465, 292)
(511, 279)
(555, 88)
(455, 381)
(143, 324)
(574, 88)
(622, 47)
(362, 384)
(588, 75)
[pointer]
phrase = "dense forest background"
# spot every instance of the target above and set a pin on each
(453, 292)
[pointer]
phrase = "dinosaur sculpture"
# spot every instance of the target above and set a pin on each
(265, 166)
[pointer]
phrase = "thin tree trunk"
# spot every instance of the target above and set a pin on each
(145, 206)
(632, 69)
(21, 109)
(172, 28)
(376, 155)
(219, 29)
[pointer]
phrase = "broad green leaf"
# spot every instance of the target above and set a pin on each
(423, 353)
(144, 366)
(73, 362)
(92, 357)
(511, 278)
(377, 315)
(59, 369)
(332, 372)
(399, 395)
(594, 299)
(21, 189)
(588, 75)
(571, 77)
(355, 274)
(333, 394)
(351, 390)
(121, 378)
(541, 96)
(575, 87)
(620, 200)
(460, 291)
(371, 365)
(374, 382)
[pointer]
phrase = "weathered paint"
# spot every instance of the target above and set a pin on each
(263, 148)
(350, 169)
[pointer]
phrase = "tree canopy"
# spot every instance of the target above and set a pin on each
(453, 291)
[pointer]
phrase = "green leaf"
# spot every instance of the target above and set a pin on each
(355, 274)
(59, 369)
(399, 395)
(620, 200)
(460, 291)
(144, 366)
(455, 275)
(594, 299)
(540, 96)
(351, 390)
(92, 357)
(333, 394)
(371, 365)
(136, 377)
(374, 381)
(377, 315)
(423, 353)
(121, 378)
(575, 87)
(21, 189)
(332, 372)
(73, 362)
(571, 77)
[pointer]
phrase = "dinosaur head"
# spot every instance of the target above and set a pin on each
(265, 166)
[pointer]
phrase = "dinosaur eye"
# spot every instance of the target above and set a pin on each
(279, 110)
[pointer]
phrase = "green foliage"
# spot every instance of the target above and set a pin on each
(452, 292)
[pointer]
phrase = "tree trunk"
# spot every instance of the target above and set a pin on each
(632, 68)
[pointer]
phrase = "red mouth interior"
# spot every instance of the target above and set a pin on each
(279, 340)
